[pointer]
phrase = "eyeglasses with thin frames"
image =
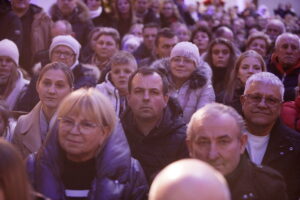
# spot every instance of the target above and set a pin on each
(256, 99)
(84, 127)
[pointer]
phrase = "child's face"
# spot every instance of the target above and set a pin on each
(120, 74)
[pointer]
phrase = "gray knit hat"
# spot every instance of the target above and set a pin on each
(65, 40)
(186, 49)
(9, 48)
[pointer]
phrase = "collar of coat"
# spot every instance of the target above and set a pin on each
(280, 67)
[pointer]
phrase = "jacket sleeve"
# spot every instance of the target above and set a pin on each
(138, 184)
(207, 95)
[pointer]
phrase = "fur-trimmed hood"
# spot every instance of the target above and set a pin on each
(199, 77)
(81, 12)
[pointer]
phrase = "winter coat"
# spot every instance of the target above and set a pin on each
(194, 93)
(283, 155)
(162, 146)
(18, 91)
(118, 176)
(79, 19)
(290, 114)
(289, 77)
(109, 90)
(10, 25)
(250, 181)
(27, 135)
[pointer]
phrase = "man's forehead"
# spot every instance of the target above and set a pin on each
(289, 40)
(263, 88)
(141, 80)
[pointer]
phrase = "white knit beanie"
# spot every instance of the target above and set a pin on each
(9, 48)
(186, 49)
(65, 40)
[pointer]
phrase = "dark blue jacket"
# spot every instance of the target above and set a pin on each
(118, 175)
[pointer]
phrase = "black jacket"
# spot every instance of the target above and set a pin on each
(283, 155)
(163, 145)
(249, 181)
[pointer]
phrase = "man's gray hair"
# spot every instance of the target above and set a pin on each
(283, 35)
(213, 110)
(267, 78)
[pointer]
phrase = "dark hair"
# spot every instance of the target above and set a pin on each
(58, 66)
(203, 29)
(151, 25)
(166, 33)
(13, 177)
(146, 71)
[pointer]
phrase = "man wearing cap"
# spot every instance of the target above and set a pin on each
(65, 49)
(153, 125)
(12, 83)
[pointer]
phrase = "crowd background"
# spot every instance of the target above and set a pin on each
(87, 83)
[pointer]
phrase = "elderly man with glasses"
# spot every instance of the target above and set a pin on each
(270, 143)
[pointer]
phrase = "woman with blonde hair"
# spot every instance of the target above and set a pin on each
(87, 155)
(55, 81)
(248, 63)
(169, 14)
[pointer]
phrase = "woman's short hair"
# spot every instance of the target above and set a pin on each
(110, 32)
(203, 29)
(58, 66)
(89, 103)
(259, 35)
(123, 58)
(13, 177)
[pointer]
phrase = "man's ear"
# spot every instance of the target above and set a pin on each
(189, 146)
(243, 141)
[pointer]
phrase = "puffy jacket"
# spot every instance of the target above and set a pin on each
(194, 93)
(118, 176)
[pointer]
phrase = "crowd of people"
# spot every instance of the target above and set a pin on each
(149, 99)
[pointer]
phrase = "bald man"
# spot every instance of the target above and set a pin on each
(216, 134)
(189, 179)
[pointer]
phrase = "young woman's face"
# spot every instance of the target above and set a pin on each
(6, 67)
(123, 6)
(248, 66)
(120, 74)
(182, 68)
(220, 55)
(52, 88)
(201, 39)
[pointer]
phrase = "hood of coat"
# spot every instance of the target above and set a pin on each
(199, 77)
(81, 13)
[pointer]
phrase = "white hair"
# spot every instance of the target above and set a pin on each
(283, 35)
(267, 78)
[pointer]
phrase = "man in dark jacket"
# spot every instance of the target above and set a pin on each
(153, 124)
(271, 143)
(216, 134)
(285, 63)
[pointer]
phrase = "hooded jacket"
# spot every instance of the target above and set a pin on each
(118, 176)
(194, 93)
(163, 145)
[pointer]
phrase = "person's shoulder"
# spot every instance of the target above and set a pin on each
(266, 173)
